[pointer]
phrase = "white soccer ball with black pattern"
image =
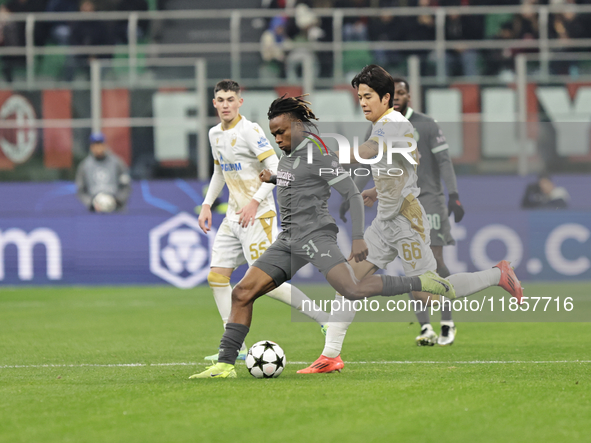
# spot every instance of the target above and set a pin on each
(265, 359)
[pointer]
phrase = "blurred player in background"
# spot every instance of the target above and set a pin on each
(241, 151)
(399, 227)
(102, 179)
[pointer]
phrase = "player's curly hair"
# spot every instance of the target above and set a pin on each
(296, 107)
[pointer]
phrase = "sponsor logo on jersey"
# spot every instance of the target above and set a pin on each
(262, 142)
(284, 177)
(228, 167)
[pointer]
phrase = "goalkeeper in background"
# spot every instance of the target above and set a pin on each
(102, 180)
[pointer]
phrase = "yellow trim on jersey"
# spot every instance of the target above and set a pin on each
(411, 210)
(216, 162)
(385, 114)
(268, 214)
(267, 224)
(233, 123)
(265, 154)
(217, 280)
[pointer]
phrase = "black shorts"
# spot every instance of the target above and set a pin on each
(438, 220)
(286, 256)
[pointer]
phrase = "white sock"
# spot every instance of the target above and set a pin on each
(222, 294)
(292, 296)
(469, 283)
(338, 323)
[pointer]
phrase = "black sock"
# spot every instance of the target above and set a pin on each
(232, 342)
(442, 271)
(400, 285)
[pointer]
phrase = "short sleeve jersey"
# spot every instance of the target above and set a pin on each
(239, 152)
(304, 178)
(392, 186)
(430, 141)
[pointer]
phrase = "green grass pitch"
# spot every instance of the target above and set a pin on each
(66, 375)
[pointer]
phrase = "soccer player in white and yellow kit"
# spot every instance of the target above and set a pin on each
(241, 151)
(400, 227)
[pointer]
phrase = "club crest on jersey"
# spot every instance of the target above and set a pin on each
(380, 133)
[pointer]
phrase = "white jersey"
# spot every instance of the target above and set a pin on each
(239, 152)
(396, 193)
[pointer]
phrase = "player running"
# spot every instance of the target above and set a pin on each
(435, 164)
(241, 151)
(309, 233)
(400, 222)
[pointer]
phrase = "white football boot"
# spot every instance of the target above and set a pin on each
(448, 335)
(428, 336)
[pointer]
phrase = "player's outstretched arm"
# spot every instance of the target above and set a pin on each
(440, 150)
(267, 176)
(346, 187)
(361, 182)
(249, 211)
(369, 149)
(370, 196)
(216, 185)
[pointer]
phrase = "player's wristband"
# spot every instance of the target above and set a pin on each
(273, 179)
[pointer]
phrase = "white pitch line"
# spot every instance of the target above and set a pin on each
(134, 365)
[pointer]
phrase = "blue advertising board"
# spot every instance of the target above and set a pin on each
(47, 237)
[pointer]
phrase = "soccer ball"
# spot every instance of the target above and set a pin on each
(104, 202)
(265, 359)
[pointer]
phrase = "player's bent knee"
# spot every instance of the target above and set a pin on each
(216, 280)
(242, 294)
(353, 292)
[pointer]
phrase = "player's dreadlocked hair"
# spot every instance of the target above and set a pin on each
(296, 107)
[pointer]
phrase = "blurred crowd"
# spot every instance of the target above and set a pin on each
(282, 61)
(466, 61)
(74, 33)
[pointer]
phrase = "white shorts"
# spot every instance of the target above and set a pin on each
(234, 245)
(387, 239)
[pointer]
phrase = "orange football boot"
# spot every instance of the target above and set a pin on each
(324, 365)
(509, 280)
